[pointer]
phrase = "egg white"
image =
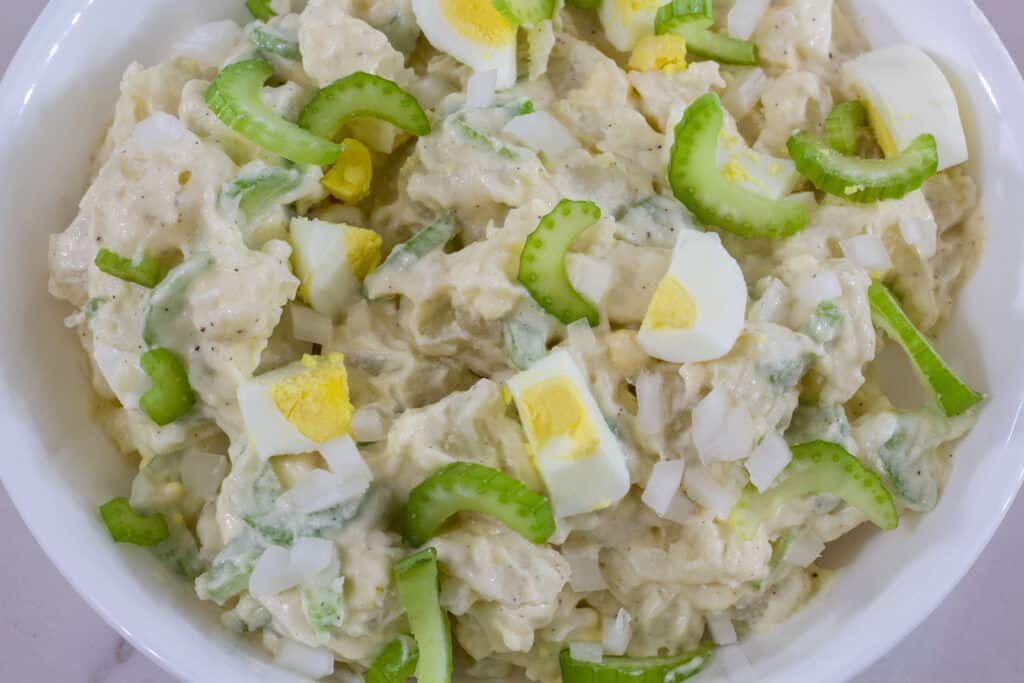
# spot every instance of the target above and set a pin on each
(627, 21)
(269, 431)
(434, 20)
(320, 255)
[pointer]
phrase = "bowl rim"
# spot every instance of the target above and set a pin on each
(47, 32)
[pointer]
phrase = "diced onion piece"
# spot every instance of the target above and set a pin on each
(867, 251)
(773, 304)
(617, 633)
(273, 573)
(768, 460)
(804, 550)
(584, 571)
(310, 556)
(202, 473)
(368, 425)
(721, 431)
(722, 631)
(921, 234)
(811, 290)
(589, 276)
(663, 486)
(581, 337)
(586, 652)
(157, 132)
(343, 458)
(745, 91)
(542, 132)
(650, 416)
(308, 661)
(745, 16)
(480, 89)
(735, 663)
(320, 490)
(311, 326)
(702, 488)
(680, 509)
(210, 44)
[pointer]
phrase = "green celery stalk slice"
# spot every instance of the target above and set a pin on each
(542, 263)
(529, 12)
(417, 580)
(127, 526)
(818, 467)
(258, 194)
(671, 15)
(842, 125)
(396, 663)
(696, 182)
(716, 46)
(260, 9)
(362, 94)
(171, 395)
(864, 180)
(144, 271)
(467, 486)
(636, 669)
(235, 98)
(166, 302)
(525, 343)
(268, 41)
(953, 395)
(381, 283)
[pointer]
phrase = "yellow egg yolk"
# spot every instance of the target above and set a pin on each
(881, 131)
(659, 53)
(735, 172)
(554, 408)
(315, 399)
(627, 8)
(672, 307)
(478, 21)
(362, 247)
(350, 178)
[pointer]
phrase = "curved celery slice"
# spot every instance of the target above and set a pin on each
(418, 588)
(258, 194)
(439, 233)
(362, 94)
(525, 11)
(467, 486)
(818, 467)
(636, 669)
(127, 526)
(171, 395)
(166, 301)
(953, 395)
(864, 180)
(144, 271)
(842, 125)
(696, 182)
(261, 9)
(692, 19)
(269, 42)
(235, 98)
(396, 663)
(542, 263)
(672, 15)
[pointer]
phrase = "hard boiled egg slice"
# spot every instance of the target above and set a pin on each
(298, 407)
(331, 261)
(582, 463)
(627, 21)
(697, 310)
(473, 32)
(907, 95)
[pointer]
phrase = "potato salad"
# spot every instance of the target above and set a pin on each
(521, 339)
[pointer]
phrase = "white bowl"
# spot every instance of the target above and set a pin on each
(56, 99)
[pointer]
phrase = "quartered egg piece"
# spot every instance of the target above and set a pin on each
(582, 463)
(907, 95)
(298, 407)
(473, 32)
(331, 261)
(626, 22)
(697, 311)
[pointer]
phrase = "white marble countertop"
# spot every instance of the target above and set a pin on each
(47, 633)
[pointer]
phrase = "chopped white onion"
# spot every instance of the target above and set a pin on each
(210, 44)
(368, 425)
(320, 490)
(734, 661)
(581, 337)
(804, 550)
(586, 652)
(308, 661)
(309, 325)
(721, 431)
(768, 460)
(584, 571)
(202, 473)
(772, 306)
(680, 509)
(922, 234)
(480, 89)
(702, 488)
(589, 276)
(650, 416)
(744, 91)
(663, 486)
(745, 16)
(273, 573)
(343, 458)
(811, 290)
(542, 132)
(159, 131)
(310, 556)
(722, 631)
(867, 251)
(617, 633)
